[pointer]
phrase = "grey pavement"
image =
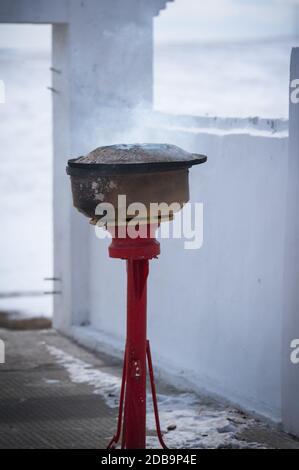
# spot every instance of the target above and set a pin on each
(42, 407)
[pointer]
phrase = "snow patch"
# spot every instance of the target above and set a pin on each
(186, 420)
(106, 385)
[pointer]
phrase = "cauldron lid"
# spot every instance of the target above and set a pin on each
(137, 157)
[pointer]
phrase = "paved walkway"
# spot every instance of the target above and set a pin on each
(55, 394)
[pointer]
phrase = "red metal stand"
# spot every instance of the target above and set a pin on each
(132, 406)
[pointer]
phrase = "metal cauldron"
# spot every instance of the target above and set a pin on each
(144, 173)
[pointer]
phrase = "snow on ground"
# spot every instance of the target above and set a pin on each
(194, 422)
(27, 307)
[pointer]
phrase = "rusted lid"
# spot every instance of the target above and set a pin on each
(125, 158)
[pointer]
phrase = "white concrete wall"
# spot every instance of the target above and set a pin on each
(215, 314)
(290, 377)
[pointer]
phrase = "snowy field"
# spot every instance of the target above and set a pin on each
(224, 79)
(25, 180)
(245, 79)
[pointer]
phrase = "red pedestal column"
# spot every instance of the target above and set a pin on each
(132, 408)
(135, 395)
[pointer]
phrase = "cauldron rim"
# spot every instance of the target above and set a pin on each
(83, 169)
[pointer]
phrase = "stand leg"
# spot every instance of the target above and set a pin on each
(116, 437)
(154, 396)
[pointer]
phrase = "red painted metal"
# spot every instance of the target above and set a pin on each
(124, 246)
(135, 401)
(116, 436)
(154, 396)
(132, 407)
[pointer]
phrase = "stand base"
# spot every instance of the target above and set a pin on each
(120, 425)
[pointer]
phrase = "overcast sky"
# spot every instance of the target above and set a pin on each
(192, 20)
(189, 20)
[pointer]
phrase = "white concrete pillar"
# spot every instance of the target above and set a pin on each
(102, 61)
(102, 69)
(290, 372)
